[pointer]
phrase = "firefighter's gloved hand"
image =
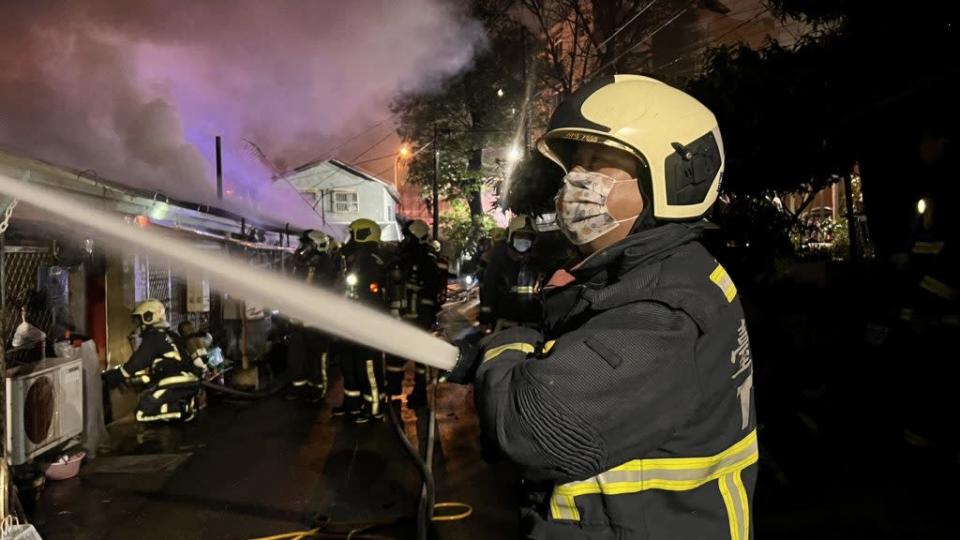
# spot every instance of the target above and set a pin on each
(474, 347)
(467, 361)
(114, 378)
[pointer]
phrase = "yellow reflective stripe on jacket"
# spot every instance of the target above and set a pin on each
(141, 417)
(670, 474)
(927, 248)
(938, 288)
(528, 289)
(722, 280)
(497, 351)
(548, 346)
(183, 378)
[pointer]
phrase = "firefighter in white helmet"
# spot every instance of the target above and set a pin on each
(419, 298)
(308, 349)
(161, 363)
(509, 294)
(631, 415)
(364, 281)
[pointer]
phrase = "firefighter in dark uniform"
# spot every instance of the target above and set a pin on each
(418, 281)
(631, 415)
(508, 291)
(308, 349)
(159, 363)
(366, 273)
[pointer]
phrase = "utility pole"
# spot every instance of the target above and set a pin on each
(526, 92)
(219, 172)
(436, 181)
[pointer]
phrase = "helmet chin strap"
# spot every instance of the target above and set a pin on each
(645, 220)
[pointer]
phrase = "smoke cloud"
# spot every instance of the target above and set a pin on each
(138, 90)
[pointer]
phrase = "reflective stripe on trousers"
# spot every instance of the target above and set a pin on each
(671, 474)
(374, 397)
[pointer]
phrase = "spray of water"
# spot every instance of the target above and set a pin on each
(320, 309)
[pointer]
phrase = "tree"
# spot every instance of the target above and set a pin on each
(860, 89)
(479, 109)
(586, 38)
(775, 115)
(463, 229)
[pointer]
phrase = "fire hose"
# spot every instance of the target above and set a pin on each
(321, 309)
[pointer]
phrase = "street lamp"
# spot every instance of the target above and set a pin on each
(500, 92)
(402, 155)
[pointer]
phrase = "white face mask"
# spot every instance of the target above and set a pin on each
(522, 244)
(581, 203)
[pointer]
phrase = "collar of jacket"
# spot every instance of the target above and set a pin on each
(638, 249)
(564, 304)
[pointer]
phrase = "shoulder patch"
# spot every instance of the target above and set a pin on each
(722, 280)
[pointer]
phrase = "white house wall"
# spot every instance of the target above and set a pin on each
(375, 201)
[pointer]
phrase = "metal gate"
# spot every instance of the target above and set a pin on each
(21, 266)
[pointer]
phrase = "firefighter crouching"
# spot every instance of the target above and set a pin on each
(509, 288)
(631, 415)
(159, 363)
(418, 277)
(363, 388)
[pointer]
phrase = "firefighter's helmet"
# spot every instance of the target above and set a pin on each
(320, 240)
(674, 137)
(520, 224)
(150, 312)
(365, 230)
(419, 229)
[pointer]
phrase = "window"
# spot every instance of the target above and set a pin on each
(346, 202)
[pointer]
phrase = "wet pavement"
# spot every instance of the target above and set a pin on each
(258, 468)
(272, 466)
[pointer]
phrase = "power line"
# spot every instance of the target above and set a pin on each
(702, 45)
(371, 147)
(329, 152)
(378, 158)
(626, 24)
(639, 42)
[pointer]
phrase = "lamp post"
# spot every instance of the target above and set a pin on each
(402, 155)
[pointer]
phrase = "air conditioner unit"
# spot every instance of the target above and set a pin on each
(44, 406)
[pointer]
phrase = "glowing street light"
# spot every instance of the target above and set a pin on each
(499, 92)
(402, 155)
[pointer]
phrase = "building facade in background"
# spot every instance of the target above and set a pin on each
(339, 193)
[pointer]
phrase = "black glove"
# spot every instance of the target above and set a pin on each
(114, 378)
(469, 359)
(471, 351)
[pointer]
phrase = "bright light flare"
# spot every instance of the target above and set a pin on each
(514, 154)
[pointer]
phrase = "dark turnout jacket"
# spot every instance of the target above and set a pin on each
(633, 414)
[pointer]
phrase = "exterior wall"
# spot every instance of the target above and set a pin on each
(318, 184)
